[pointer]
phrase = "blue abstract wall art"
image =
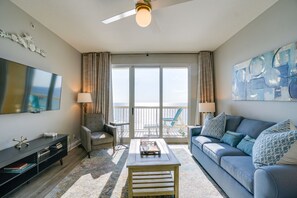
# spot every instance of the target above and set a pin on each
(271, 76)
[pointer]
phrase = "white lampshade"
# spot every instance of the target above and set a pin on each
(84, 98)
(207, 107)
(143, 17)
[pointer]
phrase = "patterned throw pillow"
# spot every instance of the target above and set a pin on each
(214, 127)
(276, 145)
(232, 138)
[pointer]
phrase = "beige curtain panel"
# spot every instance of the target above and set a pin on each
(205, 92)
(96, 68)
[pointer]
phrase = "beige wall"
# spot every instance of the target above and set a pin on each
(274, 28)
(60, 58)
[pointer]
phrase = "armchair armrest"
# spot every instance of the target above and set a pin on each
(112, 130)
(85, 136)
(275, 181)
(193, 131)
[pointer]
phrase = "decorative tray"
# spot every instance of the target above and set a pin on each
(149, 148)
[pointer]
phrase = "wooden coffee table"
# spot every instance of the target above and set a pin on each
(152, 175)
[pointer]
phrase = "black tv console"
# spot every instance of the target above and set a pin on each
(39, 155)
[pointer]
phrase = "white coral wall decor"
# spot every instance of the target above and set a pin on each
(24, 40)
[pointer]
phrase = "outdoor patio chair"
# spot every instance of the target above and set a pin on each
(168, 123)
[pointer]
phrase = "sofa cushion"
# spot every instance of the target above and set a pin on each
(214, 126)
(101, 138)
(241, 168)
(200, 140)
(276, 145)
(232, 138)
(253, 128)
(246, 145)
(232, 122)
(217, 150)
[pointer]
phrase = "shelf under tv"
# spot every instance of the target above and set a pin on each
(31, 155)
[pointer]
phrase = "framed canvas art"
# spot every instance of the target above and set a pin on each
(271, 76)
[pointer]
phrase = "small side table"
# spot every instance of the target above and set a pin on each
(121, 124)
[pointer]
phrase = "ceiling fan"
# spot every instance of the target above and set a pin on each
(143, 10)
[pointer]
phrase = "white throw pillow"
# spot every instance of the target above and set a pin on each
(215, 126)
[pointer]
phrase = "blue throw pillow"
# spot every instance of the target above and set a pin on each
(232, 138)
(246, 145)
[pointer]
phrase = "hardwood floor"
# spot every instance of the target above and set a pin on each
(46, 181)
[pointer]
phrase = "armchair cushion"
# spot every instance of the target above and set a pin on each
(94, 121)
(101, 138)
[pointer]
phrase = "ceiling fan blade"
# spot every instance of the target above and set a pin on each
(165, 3)
(119, 16)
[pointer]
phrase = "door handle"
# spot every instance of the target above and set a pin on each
(132, 110)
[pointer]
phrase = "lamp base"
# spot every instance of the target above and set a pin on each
(84, 108)
(205, 114)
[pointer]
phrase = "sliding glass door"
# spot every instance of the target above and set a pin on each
(121, 99)
(154, 100)
(146, 108)
(175, 102)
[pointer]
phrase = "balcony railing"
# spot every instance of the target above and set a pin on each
(147, 121)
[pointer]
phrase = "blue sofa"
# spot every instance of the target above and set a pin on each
(234, 171)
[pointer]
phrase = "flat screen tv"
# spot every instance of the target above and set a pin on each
(27, 89)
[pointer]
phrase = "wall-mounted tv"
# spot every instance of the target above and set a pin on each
(27, 89)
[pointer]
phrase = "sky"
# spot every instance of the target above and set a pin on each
(175, 85)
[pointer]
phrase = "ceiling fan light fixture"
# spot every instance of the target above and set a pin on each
(143, 14)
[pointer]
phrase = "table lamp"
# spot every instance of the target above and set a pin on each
(206, 108)
(84, 98)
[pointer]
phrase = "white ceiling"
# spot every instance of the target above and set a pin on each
(188, 27)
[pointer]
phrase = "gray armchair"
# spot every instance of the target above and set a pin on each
(96, 134)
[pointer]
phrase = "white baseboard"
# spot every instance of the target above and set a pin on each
(74, 144)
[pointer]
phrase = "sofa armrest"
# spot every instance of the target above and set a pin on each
(112, 130)
(85, 136)
(193, 131)
(275, 181)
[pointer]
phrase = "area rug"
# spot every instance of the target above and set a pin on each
(105, 175)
